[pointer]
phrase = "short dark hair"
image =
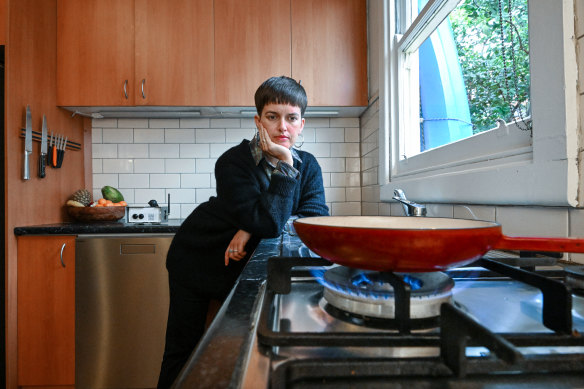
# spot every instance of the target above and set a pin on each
(281, 90)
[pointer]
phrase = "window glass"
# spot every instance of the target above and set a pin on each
(472, 70)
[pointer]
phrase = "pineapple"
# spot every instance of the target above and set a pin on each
(82, 196)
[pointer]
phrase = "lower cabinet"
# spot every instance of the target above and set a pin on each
(46, 311)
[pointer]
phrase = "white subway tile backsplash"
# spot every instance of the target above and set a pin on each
(225, 123)
(154, 157)
(349, 209)
(319, 150)
(317, 122)
(439, 210)
(104, 151)
(205, 165)
(118, 165)
(194, 150)
(132, 151)
(236, 135)
(345, 150)
(118, 135)
(330, 135)
(96, 166)
(183, 212)
(149, 165)
(203, 194)
(332, 164)
(345, 179)
(352, 135)
(164, 123)
(353, 194)
(353, 164)
(143, 196)
(195, 180)
(164, 151)
(134, 181)
(180, 165)
(217, 149)
(104, 123)
(335, 195)
(344, 122)
(96, 135)
(194, 123)
(164, 180)
(101, 180)
(308, 136)
(179, 135)
(148, 135)
(370, 209)
(132, 123)
(207, 135)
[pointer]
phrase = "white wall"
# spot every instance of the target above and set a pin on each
(149, 158)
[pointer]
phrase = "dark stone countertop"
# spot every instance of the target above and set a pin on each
(219, 358)
(118, 227)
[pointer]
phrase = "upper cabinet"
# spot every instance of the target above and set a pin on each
(209, 52)
(174, 53)
(95, 52)
(252, 43)
(135, 52)
(329, 50)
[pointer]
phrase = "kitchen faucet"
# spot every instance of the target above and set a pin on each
(410, 208)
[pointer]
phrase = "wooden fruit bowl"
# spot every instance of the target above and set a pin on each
(96, 214)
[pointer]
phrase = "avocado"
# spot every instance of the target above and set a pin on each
(111, 193)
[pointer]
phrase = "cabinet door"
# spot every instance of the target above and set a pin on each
(252, 43)
(46, 310)
(329, 51)
(95, 52)
(174, 52)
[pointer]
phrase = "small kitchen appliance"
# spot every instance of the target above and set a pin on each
(152, 214)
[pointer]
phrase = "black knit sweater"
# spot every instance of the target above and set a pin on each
(246, 200)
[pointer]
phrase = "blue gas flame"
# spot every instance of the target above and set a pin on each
(360, 285)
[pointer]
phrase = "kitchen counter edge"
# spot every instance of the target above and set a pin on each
(75, 228)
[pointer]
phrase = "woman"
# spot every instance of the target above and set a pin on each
(260, 184)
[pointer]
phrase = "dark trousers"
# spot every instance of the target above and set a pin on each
(185, 327)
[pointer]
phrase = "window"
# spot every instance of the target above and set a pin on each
(505, 165)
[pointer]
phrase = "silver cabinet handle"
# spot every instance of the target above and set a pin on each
(63, 248)
(126, 89)
(143, 82)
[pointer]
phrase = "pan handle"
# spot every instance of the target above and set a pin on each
(564, 245)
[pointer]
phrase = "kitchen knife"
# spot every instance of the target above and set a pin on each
(27, 144)
(44, 146)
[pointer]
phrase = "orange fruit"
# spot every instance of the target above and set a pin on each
(101, 201)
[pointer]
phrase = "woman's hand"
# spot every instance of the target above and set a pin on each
(236, 248)
(274, 150)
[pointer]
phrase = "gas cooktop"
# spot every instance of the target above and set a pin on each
(484, 325)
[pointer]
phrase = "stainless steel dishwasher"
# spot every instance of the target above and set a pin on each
(121, 307)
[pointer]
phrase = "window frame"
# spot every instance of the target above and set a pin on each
(538, 170)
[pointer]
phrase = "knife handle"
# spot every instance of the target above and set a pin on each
(26, 172)
(42, 165)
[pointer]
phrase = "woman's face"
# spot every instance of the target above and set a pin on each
(283, 123)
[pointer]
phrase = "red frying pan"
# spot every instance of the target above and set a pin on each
(414, 244)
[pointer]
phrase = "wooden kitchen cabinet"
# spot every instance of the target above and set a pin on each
(329, 51)
(95, 52)
(252, 43)
(135, 52)
(46, 311)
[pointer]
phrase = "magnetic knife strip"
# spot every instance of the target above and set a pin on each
(36, 136)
